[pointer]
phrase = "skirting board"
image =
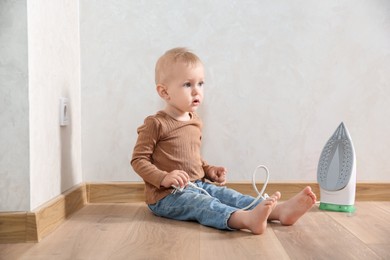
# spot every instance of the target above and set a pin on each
(125, 192)
(16, 227)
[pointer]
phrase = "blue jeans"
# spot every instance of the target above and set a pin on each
(192, 204)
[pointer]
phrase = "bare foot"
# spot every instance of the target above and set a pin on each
(256, 219)
(258, 222)
(290, 211)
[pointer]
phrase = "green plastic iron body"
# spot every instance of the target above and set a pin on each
(336, 172)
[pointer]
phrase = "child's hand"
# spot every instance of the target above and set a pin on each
(176, 178)
(218, 174)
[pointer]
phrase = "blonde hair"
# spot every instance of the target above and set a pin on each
(172, 56)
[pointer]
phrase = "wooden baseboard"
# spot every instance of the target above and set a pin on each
(115, 192)
(35, 225)
(14, 227)
(364, 191)
(120, 192)
(50, 215)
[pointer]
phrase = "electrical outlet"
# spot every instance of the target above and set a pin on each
(64, 111)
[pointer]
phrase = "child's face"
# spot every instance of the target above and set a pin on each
(184, 88)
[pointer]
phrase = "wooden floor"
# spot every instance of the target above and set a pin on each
(130, 231)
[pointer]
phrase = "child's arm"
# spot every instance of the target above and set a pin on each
(215, 173)
(218, 174)
(148, 136)
(175, 178)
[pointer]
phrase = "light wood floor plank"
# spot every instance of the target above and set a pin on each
(385, 205)
(217, 244)
(158, 238)
(317, 236)
(131, 231)
(88, 234)
(370, 223)
(368, 227)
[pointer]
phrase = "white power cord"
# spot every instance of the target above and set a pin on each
(260, 194)
(193, 185)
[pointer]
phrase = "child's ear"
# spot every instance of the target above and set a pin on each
(162, 91)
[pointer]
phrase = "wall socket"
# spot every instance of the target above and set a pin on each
(64, 111)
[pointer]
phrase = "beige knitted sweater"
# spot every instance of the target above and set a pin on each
(163, 145)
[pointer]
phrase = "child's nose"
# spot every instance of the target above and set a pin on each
(195, 90)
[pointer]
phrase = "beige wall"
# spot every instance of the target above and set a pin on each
(54, 71)
(281, 76)
(39, 63)
(14, 107)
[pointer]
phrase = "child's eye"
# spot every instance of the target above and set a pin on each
(201, 84)
(187, 84)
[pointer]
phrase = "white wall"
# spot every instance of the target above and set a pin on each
(54, 71)
(281, 76)
(14, 107)
(39, 63)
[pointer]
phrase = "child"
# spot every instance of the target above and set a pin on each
(167, 154)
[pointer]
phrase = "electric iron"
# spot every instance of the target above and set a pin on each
(336, 172)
